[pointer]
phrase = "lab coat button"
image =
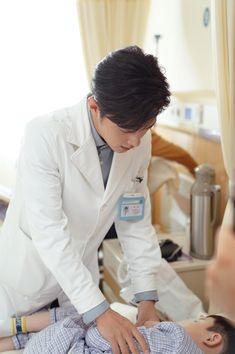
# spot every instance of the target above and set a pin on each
(103, 207)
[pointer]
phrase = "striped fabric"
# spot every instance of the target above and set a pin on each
(71, 335)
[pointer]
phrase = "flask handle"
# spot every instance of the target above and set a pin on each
(216, 189)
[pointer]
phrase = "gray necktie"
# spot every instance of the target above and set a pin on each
(105, 157)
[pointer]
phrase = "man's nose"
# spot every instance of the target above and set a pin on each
(134, 139)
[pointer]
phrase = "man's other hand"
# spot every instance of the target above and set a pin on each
(147, 312)
(121, 333)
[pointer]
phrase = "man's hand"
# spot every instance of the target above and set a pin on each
(120, 332)
(149, 324)
(147, 312)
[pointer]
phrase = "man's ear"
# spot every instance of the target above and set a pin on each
(93, 104)
(213, 339)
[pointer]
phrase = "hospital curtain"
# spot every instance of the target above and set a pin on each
(223, 39)
(106, 25)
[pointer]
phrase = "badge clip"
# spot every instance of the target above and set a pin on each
(138, 179)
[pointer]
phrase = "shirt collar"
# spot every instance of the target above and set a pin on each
(98, 140)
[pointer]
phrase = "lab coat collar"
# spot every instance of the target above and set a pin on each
(85, 156)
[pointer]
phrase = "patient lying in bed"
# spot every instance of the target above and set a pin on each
(67, 333)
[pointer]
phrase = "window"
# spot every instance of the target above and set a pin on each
(41, 68)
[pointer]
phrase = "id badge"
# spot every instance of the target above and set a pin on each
(131, 206)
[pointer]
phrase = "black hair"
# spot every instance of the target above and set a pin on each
(226, 329)
(130, 88)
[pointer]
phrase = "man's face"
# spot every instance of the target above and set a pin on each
(120, 140)
(199, 326)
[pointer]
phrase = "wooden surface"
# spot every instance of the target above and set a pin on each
(203, 151)
(113, 285)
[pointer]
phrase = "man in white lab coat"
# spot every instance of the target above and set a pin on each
(81, 169)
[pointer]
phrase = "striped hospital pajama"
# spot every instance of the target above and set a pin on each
(68, 334)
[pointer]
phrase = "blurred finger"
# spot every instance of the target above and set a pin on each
(149, 324)
(115, 347)
(140, 339)
(122, 342)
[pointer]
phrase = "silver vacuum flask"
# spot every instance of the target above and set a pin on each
(204, 212)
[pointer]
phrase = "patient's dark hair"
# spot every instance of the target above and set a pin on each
(226, 329)
(130, 88)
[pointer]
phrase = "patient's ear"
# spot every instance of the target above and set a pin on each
(213, 339)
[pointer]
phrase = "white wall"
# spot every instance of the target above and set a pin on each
(185, 46)
(42, 68)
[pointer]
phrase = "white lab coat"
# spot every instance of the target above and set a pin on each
(60, 214)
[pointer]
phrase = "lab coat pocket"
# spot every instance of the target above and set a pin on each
(30, 274)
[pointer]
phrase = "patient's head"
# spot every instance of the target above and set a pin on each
(212, 334)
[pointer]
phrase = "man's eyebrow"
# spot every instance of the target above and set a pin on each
(134, 131)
